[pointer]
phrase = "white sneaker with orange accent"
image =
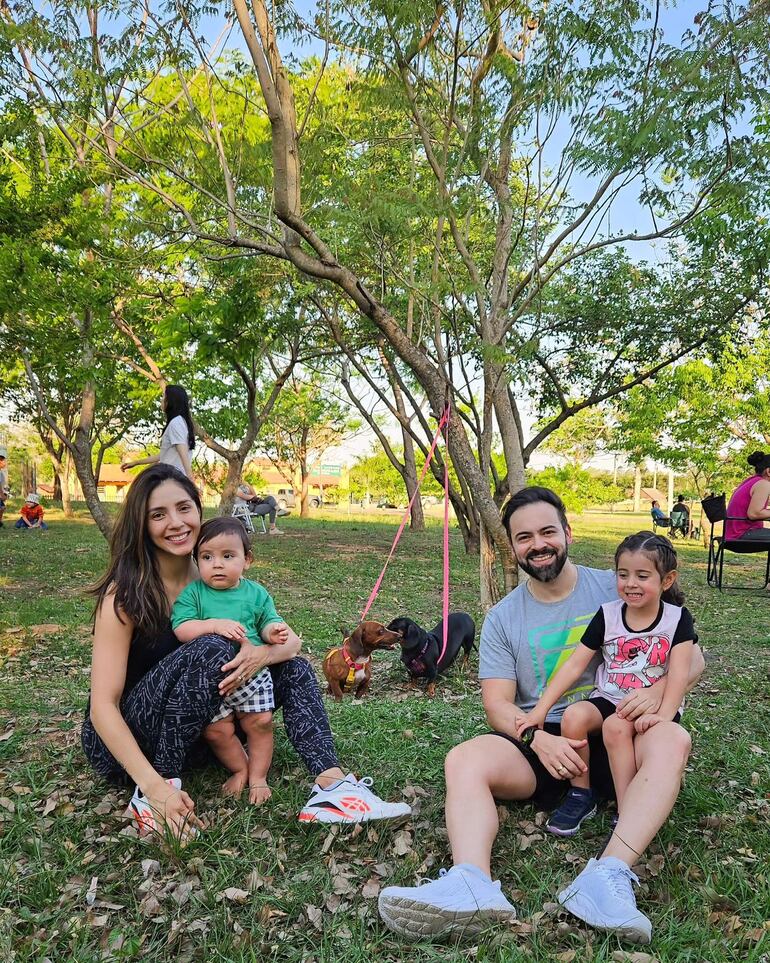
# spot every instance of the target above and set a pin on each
(350, 801)
(142, 811)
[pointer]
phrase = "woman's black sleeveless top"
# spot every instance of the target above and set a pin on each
(146, 651)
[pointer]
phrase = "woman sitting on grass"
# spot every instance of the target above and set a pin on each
(152, 696)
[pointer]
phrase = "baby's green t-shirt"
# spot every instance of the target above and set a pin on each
(247, 602)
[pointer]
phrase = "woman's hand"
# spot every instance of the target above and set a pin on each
(175, 809)
(125, 465)
(558, 755)
(247, 663)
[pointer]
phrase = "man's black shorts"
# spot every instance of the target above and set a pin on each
(548, 790)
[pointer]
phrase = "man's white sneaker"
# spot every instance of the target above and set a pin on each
(276, 531)
(463, 900)
(142, 811)
(350, 801)
(603, 896)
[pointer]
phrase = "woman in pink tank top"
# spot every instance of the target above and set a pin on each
(750, 501)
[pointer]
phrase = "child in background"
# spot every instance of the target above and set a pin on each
(3, 486)
(644, 635)
(31, 513)
(222, 602)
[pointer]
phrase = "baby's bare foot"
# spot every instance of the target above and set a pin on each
(235, 784)
(259, 794)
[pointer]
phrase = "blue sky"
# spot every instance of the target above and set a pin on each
(627, 214)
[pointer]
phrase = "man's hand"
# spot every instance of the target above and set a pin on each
(642, 701)
(558, 755)
(277, 633)
(647, 721)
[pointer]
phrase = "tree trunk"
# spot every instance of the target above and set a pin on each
(81, 456)
(57, 488)
(637, 488)
(489, 588)
(304, 507)
(417, 520)
(66, 494)
(232, 480)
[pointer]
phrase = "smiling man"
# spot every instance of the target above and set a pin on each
(524, 640)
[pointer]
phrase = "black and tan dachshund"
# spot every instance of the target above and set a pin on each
(420, 650)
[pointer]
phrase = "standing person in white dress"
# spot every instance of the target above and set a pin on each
(178, 438)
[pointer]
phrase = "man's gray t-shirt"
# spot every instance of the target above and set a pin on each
(526, 641)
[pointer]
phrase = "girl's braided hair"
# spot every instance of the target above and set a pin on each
(661, 553)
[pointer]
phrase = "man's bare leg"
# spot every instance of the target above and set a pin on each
(478, 772)
(602, 895)
(465, 899)
(661, 757)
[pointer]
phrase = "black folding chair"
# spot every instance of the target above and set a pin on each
(715, 510)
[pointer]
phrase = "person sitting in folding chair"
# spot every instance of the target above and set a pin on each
(659, 518)
(750, 503)
(248, 503)
(680, 518)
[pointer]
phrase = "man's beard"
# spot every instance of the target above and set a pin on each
(544, 573)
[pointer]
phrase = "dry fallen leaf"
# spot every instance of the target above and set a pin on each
(46, 628)
(314, 915)
(371, 888)
(91, 892)
(402, 843)
(233, 895)
(624, 956)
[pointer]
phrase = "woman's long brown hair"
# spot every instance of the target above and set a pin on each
(133, 568)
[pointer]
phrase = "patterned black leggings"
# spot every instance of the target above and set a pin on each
(168, 709)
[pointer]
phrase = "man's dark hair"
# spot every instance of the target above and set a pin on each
(531, 495)
(223, 525)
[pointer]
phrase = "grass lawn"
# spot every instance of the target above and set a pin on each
(76, 885)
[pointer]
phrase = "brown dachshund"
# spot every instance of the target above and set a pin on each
(351, 665)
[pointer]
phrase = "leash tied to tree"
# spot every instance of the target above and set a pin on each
(441, 430)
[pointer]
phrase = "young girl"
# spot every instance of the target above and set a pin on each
(178, 438)
(644, 635)
(224, 603)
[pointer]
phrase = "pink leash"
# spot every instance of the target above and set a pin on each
(442, 425)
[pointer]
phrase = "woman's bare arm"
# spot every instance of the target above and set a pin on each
(112, 640)
(758, 509)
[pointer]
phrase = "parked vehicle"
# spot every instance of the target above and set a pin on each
(285, 498)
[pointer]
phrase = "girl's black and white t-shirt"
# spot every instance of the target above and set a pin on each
(634, 659)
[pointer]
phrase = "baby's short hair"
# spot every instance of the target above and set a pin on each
(222, 525)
